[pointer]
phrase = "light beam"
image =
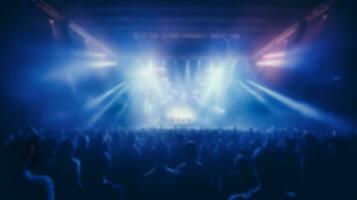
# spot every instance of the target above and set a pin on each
(96, 101)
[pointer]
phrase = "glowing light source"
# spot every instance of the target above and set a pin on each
(181, 114)
(219, 110)
(270, 63)
(216, 75)
(274, 55)
(213, 82)
(97, 54)
(149, 80)
(275, 59)
(103, 64)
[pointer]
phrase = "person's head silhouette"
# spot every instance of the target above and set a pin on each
(23, 150)
(101, 166)
(160, 153)
(191, 151)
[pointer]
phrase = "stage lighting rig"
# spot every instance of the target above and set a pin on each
(87, 37)
(281, 40)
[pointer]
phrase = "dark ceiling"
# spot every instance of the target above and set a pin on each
(245, 22)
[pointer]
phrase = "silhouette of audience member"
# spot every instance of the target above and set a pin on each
(291, 166)
(66, 172)
(160, 181)
(100, 188)
(83, 155)
(20, 182)
(193, 175)
(128, 172)
(99, 144)
(241, 179)
(266, 165)
(315, 175)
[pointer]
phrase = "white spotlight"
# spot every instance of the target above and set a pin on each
(219, 110)
(215, 79)
(270, 63)
(279, 54)
(103, 64)
(181, 114)
(97, 54)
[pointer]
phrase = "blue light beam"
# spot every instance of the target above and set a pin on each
(98, 100)
(257, 96)
(302, 108)
(100, 113)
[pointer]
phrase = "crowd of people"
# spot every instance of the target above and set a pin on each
(219, 164)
